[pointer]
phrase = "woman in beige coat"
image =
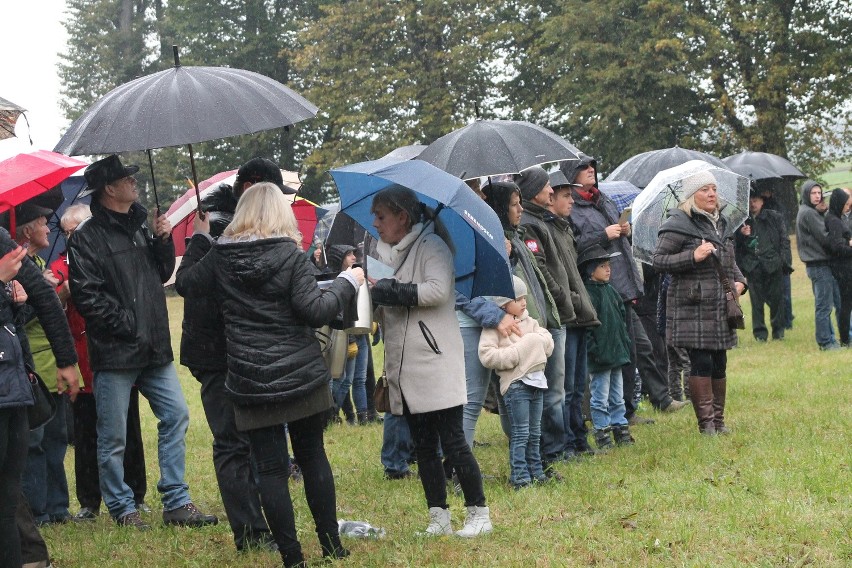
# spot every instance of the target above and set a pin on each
(424, 357)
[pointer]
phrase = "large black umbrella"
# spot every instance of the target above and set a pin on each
(183, 105)
(754, 173)
(772, 162)
(641, 168)
(492, 147)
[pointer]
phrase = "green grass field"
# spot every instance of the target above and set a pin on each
(778, 492)
(840, 175)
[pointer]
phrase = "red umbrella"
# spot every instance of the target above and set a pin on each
(24, 176)
(182, 212)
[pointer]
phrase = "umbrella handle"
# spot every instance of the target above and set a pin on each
(201, 214)
(153, 182)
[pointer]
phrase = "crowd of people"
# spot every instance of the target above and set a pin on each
(586, 332)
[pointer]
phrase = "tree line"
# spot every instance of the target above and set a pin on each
(615, 77)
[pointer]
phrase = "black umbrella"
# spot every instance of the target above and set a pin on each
(641, 168)
(772, 162)
(492, 147)
(754, 173)
(183, 105)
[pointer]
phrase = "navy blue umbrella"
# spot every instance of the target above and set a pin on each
(481, 264)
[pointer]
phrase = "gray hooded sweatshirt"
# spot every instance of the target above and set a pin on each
(811, 236)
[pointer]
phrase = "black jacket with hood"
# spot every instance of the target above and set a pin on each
(838, 238)
(117, 270)
(271, 303)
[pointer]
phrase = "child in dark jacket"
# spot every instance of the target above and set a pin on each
(608, 350)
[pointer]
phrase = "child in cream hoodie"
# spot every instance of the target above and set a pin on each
(519, 361)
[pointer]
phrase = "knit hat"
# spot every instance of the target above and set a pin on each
(520, 288)
(693, 183)
(532, 181)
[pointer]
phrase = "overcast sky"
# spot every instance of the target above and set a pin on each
(32, 37)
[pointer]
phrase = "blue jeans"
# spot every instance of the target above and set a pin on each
(44, 482)
(823, 286)
(524, 406)
(359, 374)
(607, 403)
(477, 378)
(397, 444)
(554, 440)
(161, 387)
(576, 379)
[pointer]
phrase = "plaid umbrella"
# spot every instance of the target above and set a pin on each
(621, 192)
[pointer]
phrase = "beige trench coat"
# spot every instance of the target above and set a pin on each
(427, 379)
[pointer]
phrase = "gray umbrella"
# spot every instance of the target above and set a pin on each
(641, 168)
(754, 173)
(183, 105)
(492, 147)
(776, 164)
(405, 152)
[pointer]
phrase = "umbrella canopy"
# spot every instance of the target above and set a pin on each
(9, 113)
(492, 147)
(754, 173)
(24, 176)
(639, 169)
(621, 192)
(481, 264)
(183, 105)
(182, 212)
(772, 162)
(405, 152)
(664, 192)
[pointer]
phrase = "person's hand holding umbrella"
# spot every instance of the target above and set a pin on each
(163, 228)
(10, 264)
(201, 224)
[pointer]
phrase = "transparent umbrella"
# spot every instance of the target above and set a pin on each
(664, 192)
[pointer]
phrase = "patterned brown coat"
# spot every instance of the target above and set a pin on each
(695, 311)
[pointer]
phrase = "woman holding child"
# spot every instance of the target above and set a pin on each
(693, 242)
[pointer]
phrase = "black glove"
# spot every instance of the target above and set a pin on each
(390, 292)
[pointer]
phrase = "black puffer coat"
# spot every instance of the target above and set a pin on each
(117, 270)
(271, 303)
(202, 343)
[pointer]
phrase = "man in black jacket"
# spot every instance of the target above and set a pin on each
(764, 256)
(117, 269)
(202, 349)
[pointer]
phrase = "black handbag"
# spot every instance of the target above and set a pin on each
(44, 407)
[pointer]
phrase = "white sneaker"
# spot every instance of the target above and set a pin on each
(439, 522)
(478, 522)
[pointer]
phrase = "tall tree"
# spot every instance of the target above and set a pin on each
(610, 75)
(387, 74)
(774, 72)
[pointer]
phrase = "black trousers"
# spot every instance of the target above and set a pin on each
(269, 445)
(655, 376)
(642, 358)
(766, 290)
(442, 430)
(86, 451)
(232, 461)
(14, 440)
(33, 547)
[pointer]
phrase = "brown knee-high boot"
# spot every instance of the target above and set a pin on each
(701, 392)
(719, 391)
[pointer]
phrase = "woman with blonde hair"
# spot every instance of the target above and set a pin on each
(695, 247)
(276, 374)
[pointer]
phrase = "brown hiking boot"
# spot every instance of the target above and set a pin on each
(133, 519)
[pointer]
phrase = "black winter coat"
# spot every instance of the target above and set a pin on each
(271, 303)
(117, 270)
(767, 249)
(202, 343)
(42, 298)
